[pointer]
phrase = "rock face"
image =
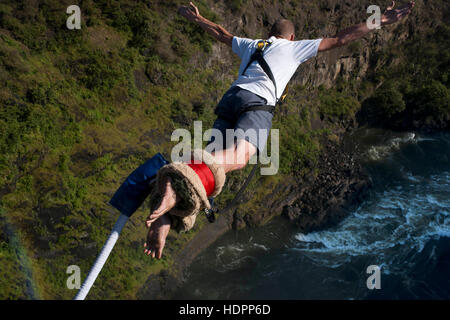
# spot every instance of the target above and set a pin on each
(324, 199)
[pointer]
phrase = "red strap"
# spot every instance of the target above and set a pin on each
(205, 175)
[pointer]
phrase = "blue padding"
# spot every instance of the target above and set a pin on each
(133, 191)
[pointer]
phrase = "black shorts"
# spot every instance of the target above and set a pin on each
(253, 126)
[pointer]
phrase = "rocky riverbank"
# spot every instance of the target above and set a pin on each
(323, 199)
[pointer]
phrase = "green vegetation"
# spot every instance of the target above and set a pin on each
(11, 288)
(13, 284)
(414, 91)
(387, 101)
(335, 104)
(236, 5)
(80, 109)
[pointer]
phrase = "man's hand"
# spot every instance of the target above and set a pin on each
(392, 15)
(156, 238)
(218, 32)
(358, 31)
(189, 12)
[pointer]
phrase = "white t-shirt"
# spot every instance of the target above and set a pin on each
(282, 56)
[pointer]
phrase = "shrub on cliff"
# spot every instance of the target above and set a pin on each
(383, 107)
(431, 100)
(388, 102)
(336, 105)
(405, 106)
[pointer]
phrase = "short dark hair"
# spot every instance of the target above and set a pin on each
(283, 28)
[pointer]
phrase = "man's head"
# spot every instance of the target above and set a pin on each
(283, 28)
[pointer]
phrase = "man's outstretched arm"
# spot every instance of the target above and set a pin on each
(216, 31)
(358, 31)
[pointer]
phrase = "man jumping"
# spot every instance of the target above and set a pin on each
(247, 105)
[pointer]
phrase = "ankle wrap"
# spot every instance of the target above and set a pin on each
(193, 182)
(205, 175)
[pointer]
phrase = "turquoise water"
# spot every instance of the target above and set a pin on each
(403, 227)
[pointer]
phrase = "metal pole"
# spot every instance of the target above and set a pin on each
(102, 257)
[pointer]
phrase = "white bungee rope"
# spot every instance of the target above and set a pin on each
(102, 257)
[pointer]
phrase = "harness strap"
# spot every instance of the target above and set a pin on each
(269, 73)
(259, 57)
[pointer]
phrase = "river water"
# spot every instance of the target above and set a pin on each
(403, 227)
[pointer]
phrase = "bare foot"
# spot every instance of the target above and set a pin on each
(156, 238)
(168, 202)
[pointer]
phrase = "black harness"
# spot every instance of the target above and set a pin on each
(258, 56)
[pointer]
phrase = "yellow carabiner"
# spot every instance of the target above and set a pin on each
(262, 44)
(286, 90)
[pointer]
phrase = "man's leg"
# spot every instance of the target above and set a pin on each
(157, 222)
(236, 157)
(233, 158)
